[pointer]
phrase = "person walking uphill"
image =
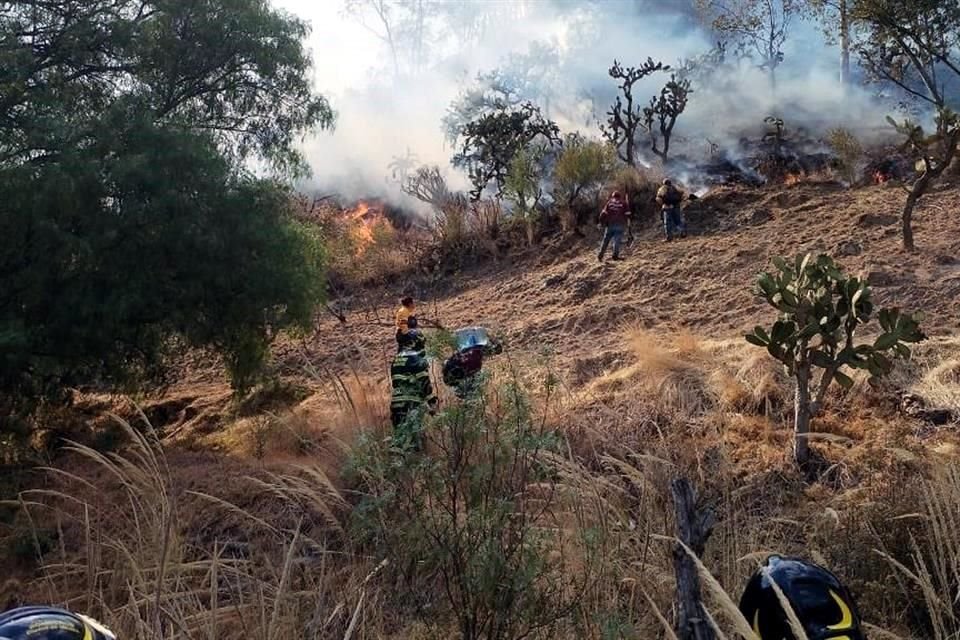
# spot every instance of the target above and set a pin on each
(615, 217)
(669, 199)
(412, 392)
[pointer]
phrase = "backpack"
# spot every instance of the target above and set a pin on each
(672, 197)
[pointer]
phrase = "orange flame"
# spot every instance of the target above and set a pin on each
(879, 177)
(792, 179)
(363, 220)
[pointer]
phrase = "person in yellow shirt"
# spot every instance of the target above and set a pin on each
(406, 320)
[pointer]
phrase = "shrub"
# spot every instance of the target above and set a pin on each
(821, 310)
(473, 514)
(849, 153)
(582, 169)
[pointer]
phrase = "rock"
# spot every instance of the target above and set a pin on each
(583, 289)
(876, 278)
(554, 280)
(755, 216)
(915, 407)
(876, 220)
(848, 248)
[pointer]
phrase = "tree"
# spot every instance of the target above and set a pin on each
(582, 169)
(625, 121)
(489, 93)
(131, 219)
(759, 28)
(821, 311)
(665, 109)
(489, 144)
(914, 46)
(523, 186)
(401, 25)
(428, 185)
(838, 25)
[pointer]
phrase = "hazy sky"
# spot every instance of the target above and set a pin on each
(356, 49)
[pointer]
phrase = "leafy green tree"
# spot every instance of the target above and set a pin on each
(489, 144)
(125, 130)
(581, 171)
(821, 312)
(523, 187)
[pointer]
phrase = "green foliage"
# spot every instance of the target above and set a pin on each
(128, 213)
(489, 144)
(522, 186)
(821, 310)
(471, 517)
(849, 152)
(582, 169)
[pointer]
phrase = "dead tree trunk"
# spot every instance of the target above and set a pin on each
(694, 528)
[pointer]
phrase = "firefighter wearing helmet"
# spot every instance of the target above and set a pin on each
(824, 607)
(49, 623)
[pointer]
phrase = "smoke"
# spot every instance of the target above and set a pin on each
(390, 110)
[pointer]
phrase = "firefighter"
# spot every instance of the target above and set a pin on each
(412, 391)
(821, 603)
(462, 370)
(406, 319)
(615, 218)
(669, 199)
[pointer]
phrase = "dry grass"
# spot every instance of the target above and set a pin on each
(265, 551)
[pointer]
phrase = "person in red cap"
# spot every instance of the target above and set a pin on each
(615, 217)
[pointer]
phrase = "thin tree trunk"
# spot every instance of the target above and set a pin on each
(801, 421)
(694, 529)
(844, 43)
(919, 188)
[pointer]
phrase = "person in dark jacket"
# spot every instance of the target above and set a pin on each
(461, 370)
(669, 199)
(412, 392)
(615, 218)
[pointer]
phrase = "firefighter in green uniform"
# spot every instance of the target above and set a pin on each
(412, 394)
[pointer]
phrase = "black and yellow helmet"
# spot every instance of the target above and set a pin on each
(821, 603)
(49, 623)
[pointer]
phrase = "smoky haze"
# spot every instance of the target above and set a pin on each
(391, 107)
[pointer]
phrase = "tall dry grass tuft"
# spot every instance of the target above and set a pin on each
(137, 563)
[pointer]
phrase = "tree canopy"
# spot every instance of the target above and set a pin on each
(130, 216)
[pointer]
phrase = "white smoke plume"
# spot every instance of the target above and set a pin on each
(390, 109)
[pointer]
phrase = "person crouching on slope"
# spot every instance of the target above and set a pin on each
(615, 217)
(412, 391)
(406, 320)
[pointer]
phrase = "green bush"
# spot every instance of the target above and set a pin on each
(821, 310)
(849, 153)
(472, 514)
(581, 171)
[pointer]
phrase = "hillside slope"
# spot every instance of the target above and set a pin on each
(558, 295)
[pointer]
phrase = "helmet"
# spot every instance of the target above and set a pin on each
(615, 195)
(413, 340)
(821, 603)
(667, 182)
(49, 623)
